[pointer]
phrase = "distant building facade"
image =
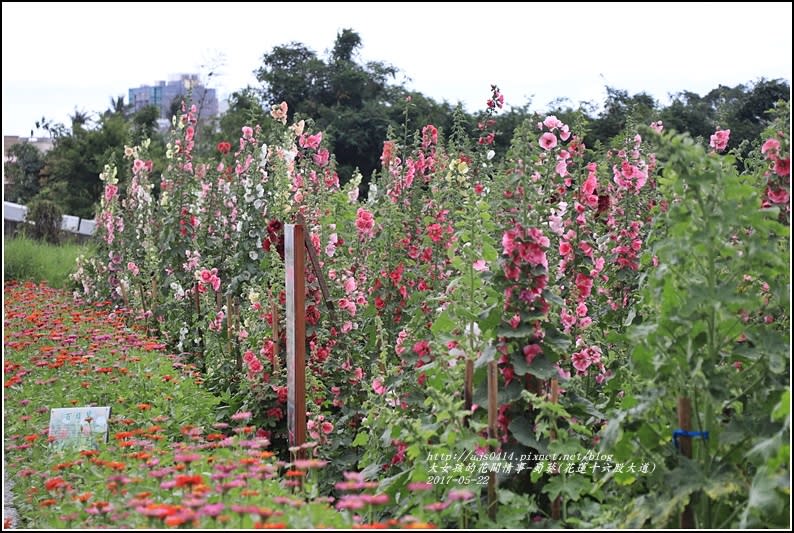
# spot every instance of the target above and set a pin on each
(43, 145)
(163, 94)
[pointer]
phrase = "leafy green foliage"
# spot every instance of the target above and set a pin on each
(715, 331)
(44, 217)
(22, 170)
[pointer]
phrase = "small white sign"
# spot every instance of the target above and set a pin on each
(82, 427)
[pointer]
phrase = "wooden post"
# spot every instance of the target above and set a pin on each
(492, 409)
(196, 299)
(143, 307)
(557, 503)
(294, 249)
(276, 333)
(230, 328)
(124, 296)
(468, 385)
(687, 520)
(315, 262)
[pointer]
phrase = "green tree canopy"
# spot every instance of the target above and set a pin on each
(22, 172)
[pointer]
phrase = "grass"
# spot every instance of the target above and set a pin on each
(26, 259)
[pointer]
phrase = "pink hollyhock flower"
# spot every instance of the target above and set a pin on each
(365, 223)
(435, 232)
(783, 167)
(657, 126)
(779, 196)
(581, 361)
(321, 157)
(377, 386)
(552, 122)
(279, 112)
(568, 320)
(110, 192)
(350, 285)
(548, 141)
(429, 136)
(133, 268)
(531, 351)
(719, 140)
(248, 132)
(326, 427)
(480, 265)
(311, 141)
(561, 168)
(771, 146)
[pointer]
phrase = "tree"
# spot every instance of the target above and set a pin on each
(619, 108)
(354, 103)
(742, 109)
(22, 172)
(76, 160)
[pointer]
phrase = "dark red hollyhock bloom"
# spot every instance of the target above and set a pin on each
(603, 203)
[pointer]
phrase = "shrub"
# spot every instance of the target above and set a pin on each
(46, 217)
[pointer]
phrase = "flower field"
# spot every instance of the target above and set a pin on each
(624, 310)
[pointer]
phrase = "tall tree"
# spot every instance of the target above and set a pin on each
(355, 103)
(22, 172)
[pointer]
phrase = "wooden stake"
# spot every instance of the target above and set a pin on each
(295, 249)
(468, 385)
(124, 296)
(556, 505)
(492, 409)
(687, 520)
(276, 334)
(315, 263)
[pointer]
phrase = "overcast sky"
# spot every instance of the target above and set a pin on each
(62, 57)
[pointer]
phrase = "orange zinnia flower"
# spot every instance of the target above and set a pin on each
(183, 480)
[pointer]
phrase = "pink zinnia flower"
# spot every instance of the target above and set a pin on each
(459, 494)
(241, 416)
